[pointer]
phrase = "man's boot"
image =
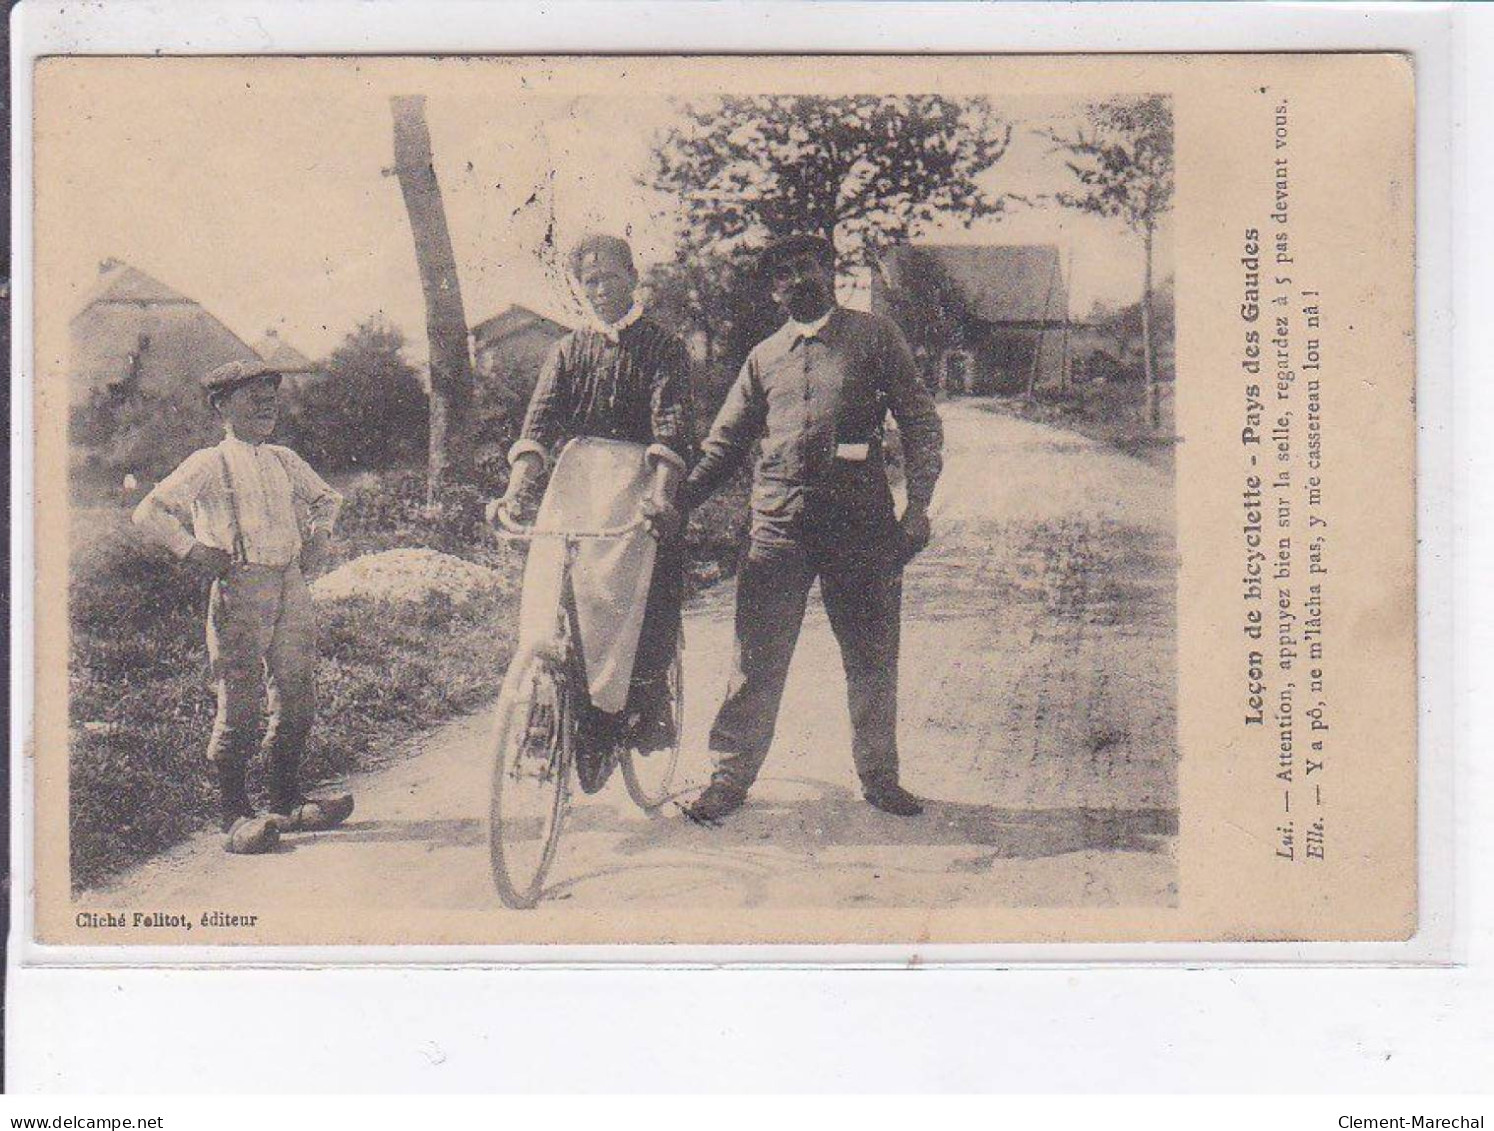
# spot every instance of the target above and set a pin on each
(281, 778)
(893, 798)
(718, 800)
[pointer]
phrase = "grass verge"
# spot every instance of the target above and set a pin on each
(141, 704)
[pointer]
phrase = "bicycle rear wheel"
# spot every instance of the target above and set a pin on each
(649, 777)
(535, 746)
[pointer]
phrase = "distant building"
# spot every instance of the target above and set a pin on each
(980, 318)
(277, 351)
(135, 334)
(509, 350)
(297, 367)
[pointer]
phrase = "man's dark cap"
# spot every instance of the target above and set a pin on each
(786, 247)
(227, 377)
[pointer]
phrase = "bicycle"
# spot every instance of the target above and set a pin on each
(537, 743)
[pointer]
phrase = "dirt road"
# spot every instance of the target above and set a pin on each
(1037, 709)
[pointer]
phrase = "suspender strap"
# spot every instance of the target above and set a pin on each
(240, 551)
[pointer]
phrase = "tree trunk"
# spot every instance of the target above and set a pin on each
(1148, 351)
(1064, 376)
(452, 384)
(1037, 353)
(1063, 360)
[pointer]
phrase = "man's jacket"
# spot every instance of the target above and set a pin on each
(817, 403)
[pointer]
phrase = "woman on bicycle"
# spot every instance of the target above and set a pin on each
(620, 376)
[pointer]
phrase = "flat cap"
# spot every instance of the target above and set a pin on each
(783, 247)
(229, 376)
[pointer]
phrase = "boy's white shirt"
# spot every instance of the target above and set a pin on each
(268, 482)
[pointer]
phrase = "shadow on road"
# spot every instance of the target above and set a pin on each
(831, 816)
(454, 833)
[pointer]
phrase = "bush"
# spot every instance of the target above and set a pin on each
(143, 433)
(119, 583)
(392, 513)
(368, 410)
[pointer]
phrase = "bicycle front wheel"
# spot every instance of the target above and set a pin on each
(650, 776)
(535, 745)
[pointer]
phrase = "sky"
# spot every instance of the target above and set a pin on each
(265, 197)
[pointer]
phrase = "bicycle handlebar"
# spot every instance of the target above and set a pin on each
(519, 532)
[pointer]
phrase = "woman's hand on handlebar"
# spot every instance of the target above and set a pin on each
(663, 519)
(520, 501)
(496, 511)
(512, 512)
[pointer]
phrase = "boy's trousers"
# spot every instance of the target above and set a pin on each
(261, 638)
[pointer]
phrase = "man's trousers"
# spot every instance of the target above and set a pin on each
(863, 599)
(261, 637)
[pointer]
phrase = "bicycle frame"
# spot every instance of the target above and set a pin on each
(562, 655)
(518, 532)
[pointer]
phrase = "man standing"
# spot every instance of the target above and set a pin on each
(816, 393)
(241, 499)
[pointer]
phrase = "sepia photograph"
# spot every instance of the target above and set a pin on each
(633, 501)
(778, 546)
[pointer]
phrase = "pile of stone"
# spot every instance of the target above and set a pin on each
(405, 575)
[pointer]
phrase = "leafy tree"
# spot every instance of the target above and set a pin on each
(692, 296)
(146, 433)
(1122, 157)
(366, 408)
(715, 301)
(929, 307)
(863, 171)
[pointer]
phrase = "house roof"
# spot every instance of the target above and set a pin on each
(999, 283)
(132, 321)
(281, 354)
(508, 322)
(119, 284)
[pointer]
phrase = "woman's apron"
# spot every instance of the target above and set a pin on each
(596, 485)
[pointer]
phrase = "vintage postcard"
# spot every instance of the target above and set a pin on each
(724, 500)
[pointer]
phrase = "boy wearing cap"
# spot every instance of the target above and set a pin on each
(620, 376)
(231, 513)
